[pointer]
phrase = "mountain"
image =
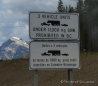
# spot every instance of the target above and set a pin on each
(13, 48)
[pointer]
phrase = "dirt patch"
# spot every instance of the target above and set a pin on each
(17, 73)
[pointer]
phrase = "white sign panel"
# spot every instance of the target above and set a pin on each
(53, 55)
(54, 26)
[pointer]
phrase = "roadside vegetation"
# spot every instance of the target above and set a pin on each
(88, 19)
(17, 73)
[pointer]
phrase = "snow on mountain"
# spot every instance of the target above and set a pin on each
(13, 48)
(16, 38)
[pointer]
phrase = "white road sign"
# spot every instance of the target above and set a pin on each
(54, 26)
(53, 55)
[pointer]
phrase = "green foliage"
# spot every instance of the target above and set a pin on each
(88, 19)
(60, 7)
(71, 9)
(83, 30)
(88, 12)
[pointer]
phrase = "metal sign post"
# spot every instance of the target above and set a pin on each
(35, 78)
(70, 77)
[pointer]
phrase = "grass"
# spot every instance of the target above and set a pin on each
(17, 73)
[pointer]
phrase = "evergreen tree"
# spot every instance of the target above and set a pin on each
(91, 9)
(60, 7)
(66, 9)
(82, 20)
(71, 10)
(88, 13)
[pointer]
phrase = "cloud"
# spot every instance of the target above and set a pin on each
(20, 31)
(14, 15)
(34, 5)
(3, 38)
(2, 25)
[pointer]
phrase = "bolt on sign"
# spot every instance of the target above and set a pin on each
(54, 26)
(54, 55)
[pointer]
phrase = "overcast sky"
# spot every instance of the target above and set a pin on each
(14, 15)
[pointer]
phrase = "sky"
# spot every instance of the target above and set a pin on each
(14, 15)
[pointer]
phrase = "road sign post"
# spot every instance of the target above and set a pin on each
(35, 74)
(70, 77)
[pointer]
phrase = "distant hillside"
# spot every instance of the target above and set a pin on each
(25, 55)
(13, 48)
(17, 73)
